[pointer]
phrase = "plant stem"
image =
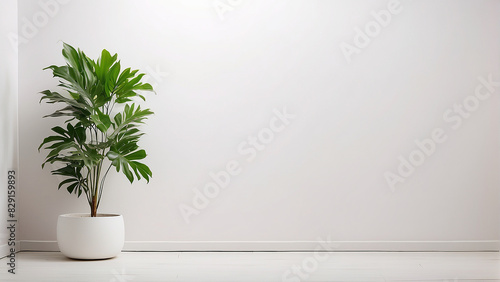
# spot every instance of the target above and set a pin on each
(93, 206)
(95, 190)
(93, 212)
(102, 184)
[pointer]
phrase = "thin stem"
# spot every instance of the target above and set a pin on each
(102, 184)
(112, 106)
(89, 177)
(95, 172)
(96, 137)
(87, 194)
(90, 133)
(98, 172)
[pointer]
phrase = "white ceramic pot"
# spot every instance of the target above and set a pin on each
(80, 236)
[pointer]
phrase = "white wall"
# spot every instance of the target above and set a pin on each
(8, 111)
(219, 80)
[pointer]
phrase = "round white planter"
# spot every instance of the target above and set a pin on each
(80, 236)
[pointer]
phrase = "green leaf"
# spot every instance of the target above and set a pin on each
(80, 134)
(137, 155)
(143, 170)
(106, 121)
(126, 163)
(60, 130)
(124, 76)
(51, 139)
(71, 56)
(71, 187)
(69, 180)
(144, 86)
(61, 147)
(129, 116)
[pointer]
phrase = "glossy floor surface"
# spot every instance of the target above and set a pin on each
(257, 266)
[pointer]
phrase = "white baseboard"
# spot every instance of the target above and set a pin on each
(39, 246)
(303, 246)
(5, 249)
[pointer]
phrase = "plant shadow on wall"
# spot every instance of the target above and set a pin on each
(101, 126)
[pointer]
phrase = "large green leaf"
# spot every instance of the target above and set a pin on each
(102, 121)
(128, 162)
(69, 146)
(74, 180)
(130, 117)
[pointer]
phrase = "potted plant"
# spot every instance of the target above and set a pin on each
(101, 131)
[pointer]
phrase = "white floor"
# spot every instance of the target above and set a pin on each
(258, 266)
